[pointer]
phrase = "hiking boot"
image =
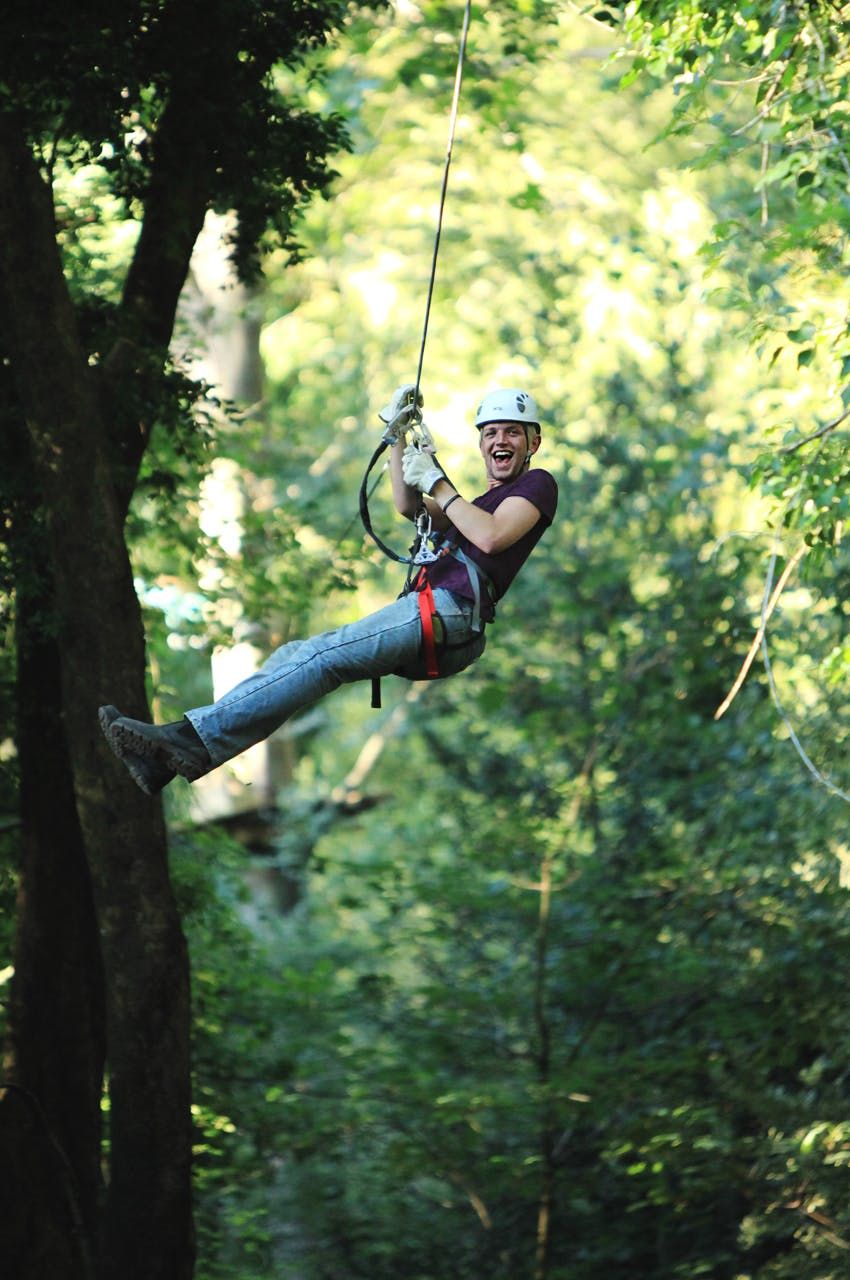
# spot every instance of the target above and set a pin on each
(149, 774)
(176, 746)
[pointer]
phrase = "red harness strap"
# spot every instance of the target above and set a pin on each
(426, 613)
(429, 645)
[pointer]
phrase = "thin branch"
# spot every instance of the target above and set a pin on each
(816, 435)
(765, 110)
(733, 84)
(765, 161)
(762, 627)
(768, 603)
(372, 749)
(481, 1211)
(795, 741)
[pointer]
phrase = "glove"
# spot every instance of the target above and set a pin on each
(420, 469)
(400, 413)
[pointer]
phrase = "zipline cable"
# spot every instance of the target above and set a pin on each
(461, 57)
(364, 487)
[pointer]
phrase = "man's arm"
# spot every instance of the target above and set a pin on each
(407, 499)
(490, 532)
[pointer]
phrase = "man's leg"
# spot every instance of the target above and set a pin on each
(292, 677)
(301, 672)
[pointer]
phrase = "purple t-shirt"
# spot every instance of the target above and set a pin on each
(537, 487)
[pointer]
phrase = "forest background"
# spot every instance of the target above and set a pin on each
(537, 973)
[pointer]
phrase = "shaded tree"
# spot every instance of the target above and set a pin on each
(172, 109)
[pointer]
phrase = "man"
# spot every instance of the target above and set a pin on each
(435, 629)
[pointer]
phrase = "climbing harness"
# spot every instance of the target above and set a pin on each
(427, 614)
(433, 636)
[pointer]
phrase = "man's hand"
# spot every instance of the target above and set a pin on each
(420, 470)
(400, 414)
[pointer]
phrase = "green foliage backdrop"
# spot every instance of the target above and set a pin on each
(566, 1002)
(558, 991)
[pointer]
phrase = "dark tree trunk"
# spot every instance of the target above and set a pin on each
(42, 1233)
(56, 1010)
(146, 1224)
(100, 952)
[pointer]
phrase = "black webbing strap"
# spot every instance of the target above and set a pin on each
(364, 508)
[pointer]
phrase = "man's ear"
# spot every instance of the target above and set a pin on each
(534, 442)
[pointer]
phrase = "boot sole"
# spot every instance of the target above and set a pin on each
(137, 764)
(125, 740)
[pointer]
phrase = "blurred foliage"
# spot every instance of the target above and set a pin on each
(95, 86)
(581, 951)
(563, 996)
(762, 94)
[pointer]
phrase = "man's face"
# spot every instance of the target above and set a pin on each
(504, 447)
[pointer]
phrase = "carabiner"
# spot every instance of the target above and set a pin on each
(424, 554)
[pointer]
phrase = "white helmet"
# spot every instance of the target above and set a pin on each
(509, 405)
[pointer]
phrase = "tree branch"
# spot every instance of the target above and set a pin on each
(348, 792)
(816, 435)
(175, 207)
(762, 627)
(43, 338)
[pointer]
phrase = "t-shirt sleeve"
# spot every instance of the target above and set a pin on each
(539, 487)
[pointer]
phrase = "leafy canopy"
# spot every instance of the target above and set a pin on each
(94, 83)
(762, 94)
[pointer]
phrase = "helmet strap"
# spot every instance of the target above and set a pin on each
(529, 455)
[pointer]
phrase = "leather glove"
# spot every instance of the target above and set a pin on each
(420, 469)
(400, 413)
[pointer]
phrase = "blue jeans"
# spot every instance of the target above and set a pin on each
(385, 643)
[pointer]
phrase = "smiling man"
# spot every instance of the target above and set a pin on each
(435, 629)
(500, 528)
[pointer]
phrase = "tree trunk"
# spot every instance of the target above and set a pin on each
(543, 1033)
(56, 1009)
(147, 1230)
